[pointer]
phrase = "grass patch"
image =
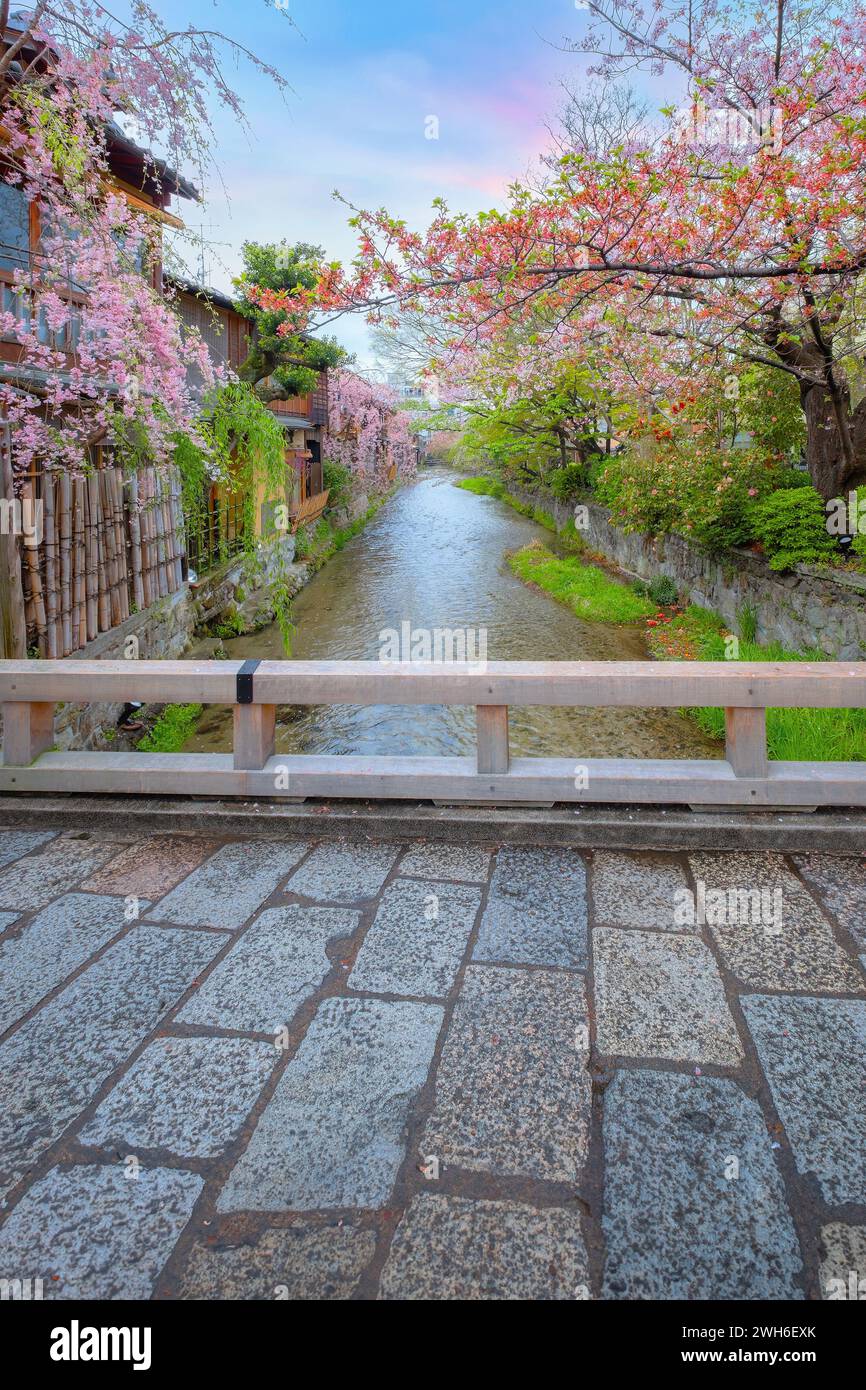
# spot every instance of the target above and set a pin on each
(793, 735)
(586, 590)
(171, 730)
(482, 487)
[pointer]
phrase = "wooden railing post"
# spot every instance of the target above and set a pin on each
(492, 736)
(255, 729)
(746, 741)
(28, 730)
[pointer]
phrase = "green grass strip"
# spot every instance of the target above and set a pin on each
(587, 591)
(793, 735)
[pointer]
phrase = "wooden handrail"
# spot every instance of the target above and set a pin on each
(29, 690)
(640, 684)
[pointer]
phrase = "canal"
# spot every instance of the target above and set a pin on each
(434, 556)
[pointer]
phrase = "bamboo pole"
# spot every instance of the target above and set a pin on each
(13, 612)
(28, 492)
(95, 565)
(107, 553)
(91, 496)
(79, 632)
(120, 540)
(65, 509)
(150, 594)
(135, 543)
(49, 547)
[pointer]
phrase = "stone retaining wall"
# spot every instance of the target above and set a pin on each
(803, 609)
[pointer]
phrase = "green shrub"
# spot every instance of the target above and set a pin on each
(172, 729)
(567, 483)
(337, 480)
(302, 544)
(792, 527)
(663, 590)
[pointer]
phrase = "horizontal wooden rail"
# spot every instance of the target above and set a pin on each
(29, 690)
(641, 684)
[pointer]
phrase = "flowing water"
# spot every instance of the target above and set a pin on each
(435, 556)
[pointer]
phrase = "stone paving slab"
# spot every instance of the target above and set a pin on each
(51, 947)
(841, 882)
(694, 1205)
(661, 996)
(16, 843)
(33, 881)
(278, 963)
(638, 891)
(788, 955)
(333, 1134)
(149, 869)
(536, 910)
(295, 1264)
(55, 1063)
(230, 886)
(812, 1052)
(513, 1092)
(739, 869)
(436, 1130)
(188, 1095)
(843, 1267)
(453, 1248)
(341, 873)
(102, 1234)
(468, 863)
(418, 939)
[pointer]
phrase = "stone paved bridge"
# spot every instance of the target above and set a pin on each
(260, 1069)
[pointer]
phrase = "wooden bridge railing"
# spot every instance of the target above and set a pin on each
(29, 691)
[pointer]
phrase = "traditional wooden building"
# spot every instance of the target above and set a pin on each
(217, 532)
(109, 544)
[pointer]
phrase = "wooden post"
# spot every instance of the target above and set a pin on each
(746, 741)
(28, 730)
(491, 722)
(255, 727)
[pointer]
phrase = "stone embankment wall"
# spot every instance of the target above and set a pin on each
(803, 609)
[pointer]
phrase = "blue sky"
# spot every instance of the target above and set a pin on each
(366, 75)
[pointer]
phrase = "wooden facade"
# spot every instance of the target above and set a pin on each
(102, 544)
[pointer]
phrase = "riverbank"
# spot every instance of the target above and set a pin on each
(813, 735)
(698, 634)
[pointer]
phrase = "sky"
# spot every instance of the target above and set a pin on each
(367, 76)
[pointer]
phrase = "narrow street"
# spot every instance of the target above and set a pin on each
(270, 1069)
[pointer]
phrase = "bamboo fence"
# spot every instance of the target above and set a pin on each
(112, 544)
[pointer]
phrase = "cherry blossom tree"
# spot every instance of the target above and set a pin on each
(368, 432)
(68, 73)
(736, 234)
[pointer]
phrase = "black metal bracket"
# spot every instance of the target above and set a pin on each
(244, 692)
